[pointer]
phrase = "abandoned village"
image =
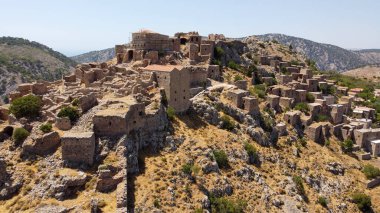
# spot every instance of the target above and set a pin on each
(135, 102)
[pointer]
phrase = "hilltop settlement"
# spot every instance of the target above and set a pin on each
(191, 124)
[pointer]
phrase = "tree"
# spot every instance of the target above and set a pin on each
(26, 106)
(70, 112)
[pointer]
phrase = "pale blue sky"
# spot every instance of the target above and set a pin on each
(77, 26)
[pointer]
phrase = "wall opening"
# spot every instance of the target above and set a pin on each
(130, 55)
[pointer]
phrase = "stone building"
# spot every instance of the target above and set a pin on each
(119, 117)
(176, 81)
(236, 97)
(78, 147)
(367, 139)
(146, 44)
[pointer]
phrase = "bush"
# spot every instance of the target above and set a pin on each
(75, 102)
(303, 107)
(233, 65)
(70, 112)
(302, 141)
(170, 111)
(156, 203)
(363, 201)
(310, 98)
(322, 118)
(322, 201)
(266, 123)
(299, 185)
(370, 171)
(226, 205)
(221, 158)
(26, 106)
(218, 52)
(19, 135)
(238, 78)
(347, 145)
(186, 168)
(46, 127)
(252, 152)
(227, 123)
(258, 90)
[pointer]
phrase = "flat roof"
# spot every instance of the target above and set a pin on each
(162, 68)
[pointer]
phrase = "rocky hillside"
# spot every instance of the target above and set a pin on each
(327, 56)
(95, 56)
(25, 61)
(372, 56)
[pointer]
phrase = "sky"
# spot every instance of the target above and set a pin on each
(78, 26)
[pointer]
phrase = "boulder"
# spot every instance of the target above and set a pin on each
(63, 123)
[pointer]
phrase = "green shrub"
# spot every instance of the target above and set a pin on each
(19, 135)
(170, 111)
(221, 158)
(303, 107)
(302, 141)
(225, 205)
(284, 71)
(233, 65)
(70, 112)
(347, 145)
(238, 78)
(294, 62)
(46, 127)
(186, 168)
(216, 62)
(156, 203)
(322, 118)
(322, 201)
(252, 152)
(370, 171)
(363, 201)
(26, 106)
(218, 52)
(266, 123)
(250, 71)
(310, 98)
(299, 185)
(258, 90)
(198, 210)
(227, 123)
(75, 102)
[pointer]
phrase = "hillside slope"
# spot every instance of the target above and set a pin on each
(327, 56)
(95, 56)
(371, 56)
(25, 61)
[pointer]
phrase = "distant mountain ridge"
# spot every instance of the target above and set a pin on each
(95, 56)
(327, 56)
(22, 60)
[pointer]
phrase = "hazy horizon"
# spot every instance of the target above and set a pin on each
(74, 28)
